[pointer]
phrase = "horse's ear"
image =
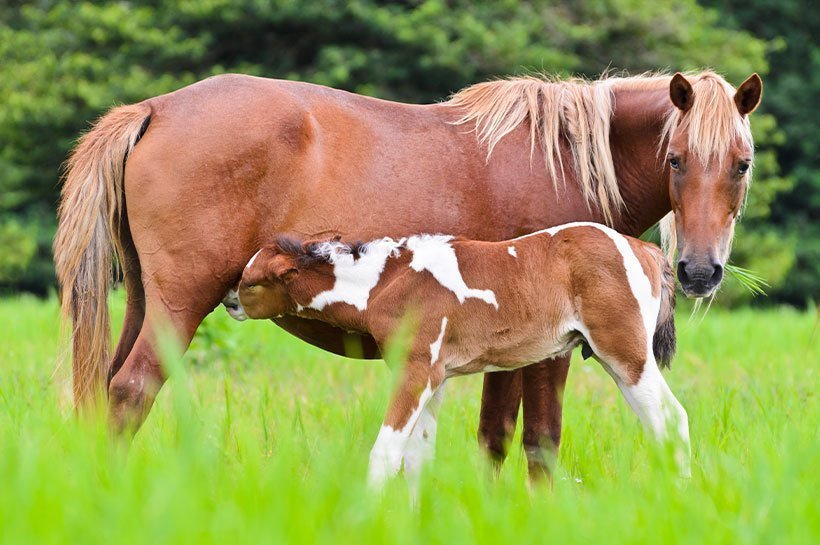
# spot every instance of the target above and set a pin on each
(282, 267)
(681, 93)
(748, 94)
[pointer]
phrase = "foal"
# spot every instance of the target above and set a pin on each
(480, 307)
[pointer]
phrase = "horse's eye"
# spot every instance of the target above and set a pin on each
(674, 163)
(743, 168)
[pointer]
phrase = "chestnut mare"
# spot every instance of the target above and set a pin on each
(215, 168)
(478, 307)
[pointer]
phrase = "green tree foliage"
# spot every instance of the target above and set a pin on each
(64, 63)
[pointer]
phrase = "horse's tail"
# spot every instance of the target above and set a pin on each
(664, 341)
(88, 234)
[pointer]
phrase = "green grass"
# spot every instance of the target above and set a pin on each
(261, 438)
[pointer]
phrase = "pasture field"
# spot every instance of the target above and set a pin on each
(259, 438)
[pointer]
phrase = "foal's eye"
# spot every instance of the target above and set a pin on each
(674, 163)
(743, 168)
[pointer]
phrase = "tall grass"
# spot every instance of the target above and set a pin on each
(259, 438)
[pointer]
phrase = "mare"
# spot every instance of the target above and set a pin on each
(183, 188)
(482, 306)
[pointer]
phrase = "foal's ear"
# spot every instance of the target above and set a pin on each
(282, 267)
(681, 93)
(748, 94)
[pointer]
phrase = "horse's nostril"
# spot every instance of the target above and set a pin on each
(717, 275)
(682, 276)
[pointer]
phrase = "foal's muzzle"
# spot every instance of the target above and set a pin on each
(699, 279)
(234, 306)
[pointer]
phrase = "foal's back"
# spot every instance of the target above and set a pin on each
(512, 303)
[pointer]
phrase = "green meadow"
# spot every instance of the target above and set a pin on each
(260, 438)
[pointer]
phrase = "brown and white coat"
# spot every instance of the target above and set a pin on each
(481, 307)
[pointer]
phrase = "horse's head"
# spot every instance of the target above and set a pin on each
(709, 154)
(262, 291)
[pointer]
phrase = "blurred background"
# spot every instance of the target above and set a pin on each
(63, 63)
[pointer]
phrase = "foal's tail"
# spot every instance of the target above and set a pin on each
(664, 341)
(88, 234)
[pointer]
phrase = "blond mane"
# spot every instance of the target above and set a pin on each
(580, 111)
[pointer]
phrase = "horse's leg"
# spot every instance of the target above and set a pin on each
(500, 401)
(133, 388)
(543, 393)
(419, 384)
(134, 307)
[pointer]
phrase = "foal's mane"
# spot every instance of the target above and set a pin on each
(580, 111)
(328, 251)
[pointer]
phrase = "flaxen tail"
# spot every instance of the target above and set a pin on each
(664, 342)
(88, 237)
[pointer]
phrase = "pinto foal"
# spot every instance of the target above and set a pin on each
(479, 307)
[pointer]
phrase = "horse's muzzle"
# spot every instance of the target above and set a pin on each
(699, 279)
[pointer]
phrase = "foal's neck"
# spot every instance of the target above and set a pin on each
(643, 176)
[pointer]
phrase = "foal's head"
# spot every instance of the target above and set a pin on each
(281, 275)
(709, 152)
(263, 289)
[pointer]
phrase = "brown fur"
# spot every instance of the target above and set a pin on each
(229, 160)
(576, 274)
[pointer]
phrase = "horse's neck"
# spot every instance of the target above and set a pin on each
(643, 178)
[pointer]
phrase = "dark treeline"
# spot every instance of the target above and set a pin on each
(63, 63)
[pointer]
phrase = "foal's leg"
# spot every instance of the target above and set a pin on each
(418, 386)
(659, 410)
(421, 447)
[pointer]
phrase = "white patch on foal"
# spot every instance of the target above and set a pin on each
(388, 451)
(434, 253)
(355, 278)
(511, 251)
(657, 407)
(435, 346)
(248, 266)
(421, 446)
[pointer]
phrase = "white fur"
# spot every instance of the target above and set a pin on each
(657, 407)
(354, 278)
(421, 447)
(388, 450)
(248, 266)
(435, 254)
(435, 346)
(511, 251)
